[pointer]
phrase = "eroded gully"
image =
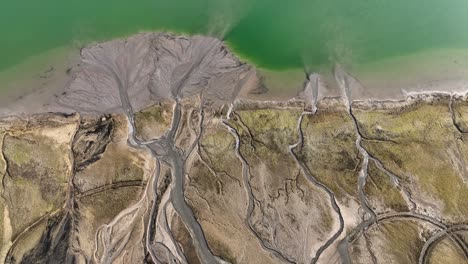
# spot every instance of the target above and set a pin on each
(165, 149)
(320, 185)
(344, 82)
(248, 190)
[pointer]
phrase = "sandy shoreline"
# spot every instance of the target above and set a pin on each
(35, 85)
(31, 85)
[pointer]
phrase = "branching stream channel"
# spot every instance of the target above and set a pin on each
(112, 238)
(164, 150)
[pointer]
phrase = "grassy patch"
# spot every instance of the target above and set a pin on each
(380, 190)
(330, 153)
(154, 121)
(425, 148)
(106, 205)
(403, 243)
(446, 252)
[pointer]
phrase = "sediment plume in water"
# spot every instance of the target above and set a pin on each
(219, 179)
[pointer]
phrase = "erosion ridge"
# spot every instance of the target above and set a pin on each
(224, 180)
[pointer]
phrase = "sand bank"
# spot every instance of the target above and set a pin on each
(35, 85)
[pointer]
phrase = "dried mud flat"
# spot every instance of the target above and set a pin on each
(158, 162)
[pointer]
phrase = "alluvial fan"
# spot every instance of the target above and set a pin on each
(161, 162)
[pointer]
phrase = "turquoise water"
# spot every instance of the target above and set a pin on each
(275, 34)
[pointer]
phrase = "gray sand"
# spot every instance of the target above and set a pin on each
(152, 64)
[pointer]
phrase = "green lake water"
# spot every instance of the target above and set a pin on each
(274, 34)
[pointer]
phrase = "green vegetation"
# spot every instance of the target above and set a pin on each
(389, 242)
(381, 191)
(116, 164)
(330, 153)
(265, 120)
(154, 121)
(419, 122)
(402, 241)
(154, 113)
(265, 138)
(276, 178)
(446, 252)
(37, 177)
(460, 113)
(105, 206)
(420, 144)
(204, 180)
(223, 250)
